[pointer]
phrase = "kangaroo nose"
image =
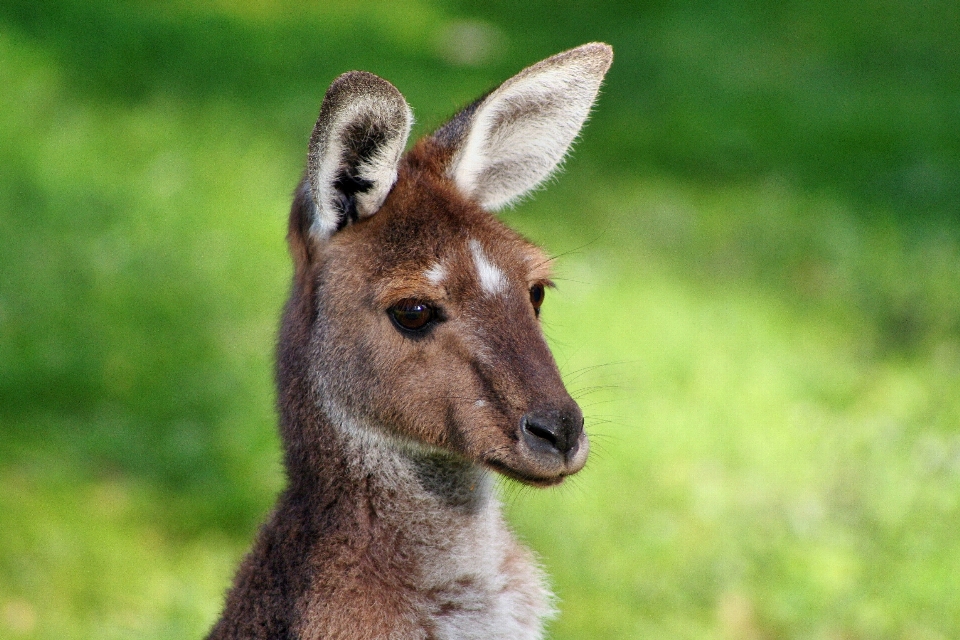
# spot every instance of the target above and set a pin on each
(554, 431)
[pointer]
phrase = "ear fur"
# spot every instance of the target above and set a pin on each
(514, 138)
(355, 147)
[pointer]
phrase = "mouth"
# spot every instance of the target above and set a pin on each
(526, 478)
(542, 448)
(539, 469)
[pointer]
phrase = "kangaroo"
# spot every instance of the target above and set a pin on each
(411, 364)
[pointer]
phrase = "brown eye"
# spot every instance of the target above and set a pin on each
(536, 297)
(412, 315)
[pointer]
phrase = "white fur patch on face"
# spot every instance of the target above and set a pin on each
(492, 280)
(435, 274)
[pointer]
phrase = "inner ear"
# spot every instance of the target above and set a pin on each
(347, 187)
(359, 151)
(511, 140)
(355, 148)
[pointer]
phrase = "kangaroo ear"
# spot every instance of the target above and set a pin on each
(512, 139)
(354, 150)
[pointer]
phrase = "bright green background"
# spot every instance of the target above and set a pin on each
(759, 303)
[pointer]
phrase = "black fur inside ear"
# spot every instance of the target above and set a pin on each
(354, 150)
(361, 143)
(347, 187)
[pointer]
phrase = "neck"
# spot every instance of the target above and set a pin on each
(372, 523)
(393, 476)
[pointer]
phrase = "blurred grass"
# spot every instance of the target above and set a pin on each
(758, 303)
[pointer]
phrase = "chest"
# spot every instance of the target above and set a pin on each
(432, 575)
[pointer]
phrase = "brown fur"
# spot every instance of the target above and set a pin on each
(388, 527)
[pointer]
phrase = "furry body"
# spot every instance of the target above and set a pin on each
(411, 365)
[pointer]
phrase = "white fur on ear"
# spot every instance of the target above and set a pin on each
(518, 134)
(355, 147)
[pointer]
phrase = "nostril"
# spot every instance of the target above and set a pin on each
(548, 433)
(541, 432)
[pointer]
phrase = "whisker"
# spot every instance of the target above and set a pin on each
(575, 250)
(585, 391)
(581, 371)
(596, 403)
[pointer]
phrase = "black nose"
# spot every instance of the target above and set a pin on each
(552, 431)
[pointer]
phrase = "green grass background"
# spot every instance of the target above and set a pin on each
(759, 303)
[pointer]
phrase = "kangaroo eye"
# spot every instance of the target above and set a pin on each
(536, 297)
(412, 315)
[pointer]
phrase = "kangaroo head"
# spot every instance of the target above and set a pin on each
(415, 310)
